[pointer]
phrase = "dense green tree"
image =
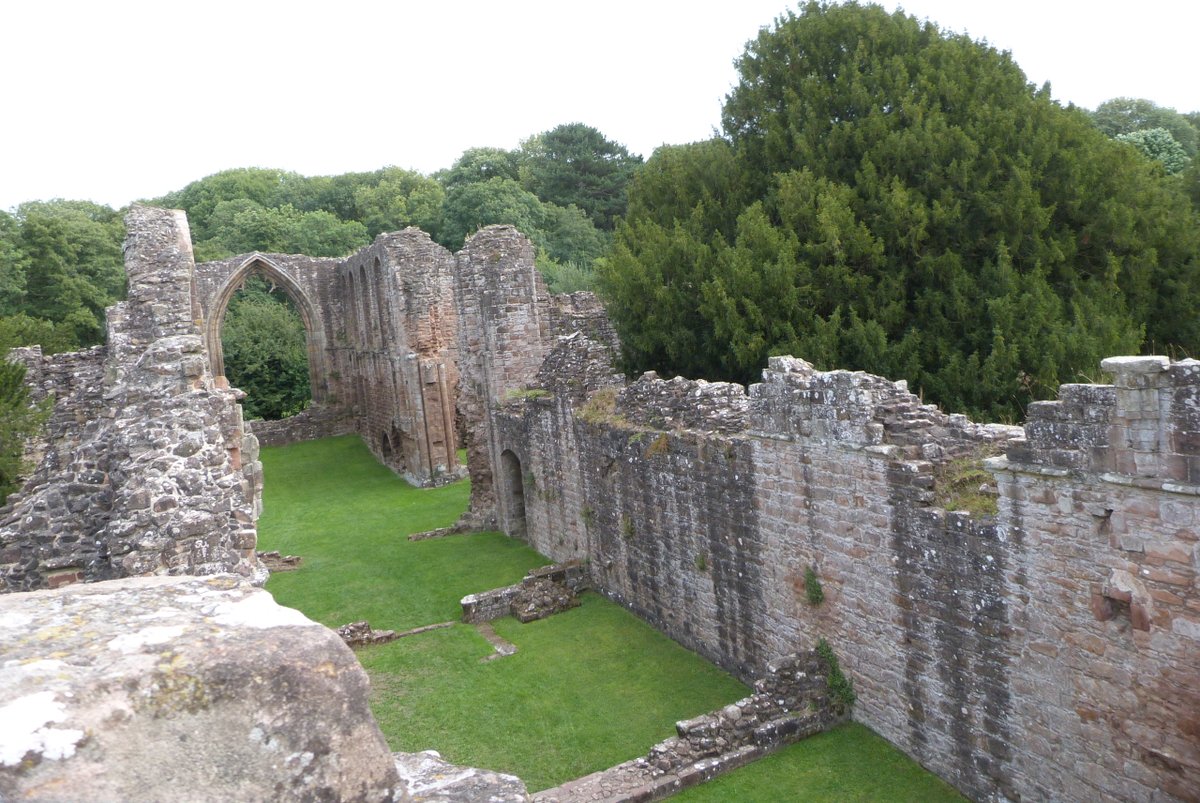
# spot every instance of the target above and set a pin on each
(20, 419)
(265, 351)
(1127, 115)
(20, 329)
(73, 264)
(479, 165)
(242, 225)
(200, 199)
(399, 199)
(471, 205)
(892, 198)
(14, 265)
(575, 165)
(1159, 145)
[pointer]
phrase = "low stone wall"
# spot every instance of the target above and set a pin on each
(498, 602)
(307, 425)
(791, 702)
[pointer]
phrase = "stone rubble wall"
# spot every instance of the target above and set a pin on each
(486, 606)
(508, 323)
(790, 702)
(1049, 651)
(146, 467)
(307, 425)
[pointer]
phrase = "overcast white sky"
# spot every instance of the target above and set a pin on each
(115, 101)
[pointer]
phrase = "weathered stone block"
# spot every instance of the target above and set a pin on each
(149, 689)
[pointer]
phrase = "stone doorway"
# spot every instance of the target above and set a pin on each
(512, 505)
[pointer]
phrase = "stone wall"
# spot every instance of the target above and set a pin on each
(508, 324)
(1048, 651)
(307, 425)
(487, 606)
(396, 347)
(145, 467)
(382, 343)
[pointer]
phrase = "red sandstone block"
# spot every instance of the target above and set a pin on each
(1164, 596)
(1170, 552)
(63, 578)
(1161, 575)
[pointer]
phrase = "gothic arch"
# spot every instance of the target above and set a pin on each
(314, 330)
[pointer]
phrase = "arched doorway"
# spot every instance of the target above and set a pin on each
(512, 490)
(264, 266)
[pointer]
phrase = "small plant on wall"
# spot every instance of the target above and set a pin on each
(701, 562)
(840, 687)
(813, 591)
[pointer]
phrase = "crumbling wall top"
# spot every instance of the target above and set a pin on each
(1145, 425)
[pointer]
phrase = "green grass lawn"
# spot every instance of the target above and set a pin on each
(347, 516)
(849, 764)
(587, 689)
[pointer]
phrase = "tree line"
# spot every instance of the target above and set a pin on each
(889, 197)
(882, 195)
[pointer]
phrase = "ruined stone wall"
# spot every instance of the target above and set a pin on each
(1102, 508)
(309, 282)
(397, 346)
(146, 467)
(507, 325)
(307, 425)
(1004, 653)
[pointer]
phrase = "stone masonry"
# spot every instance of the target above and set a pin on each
(145, 467)
(1051, 651)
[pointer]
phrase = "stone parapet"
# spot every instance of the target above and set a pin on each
(196, 688)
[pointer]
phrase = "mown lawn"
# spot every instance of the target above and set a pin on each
(849, 764)
(587, 689)
(347, 516)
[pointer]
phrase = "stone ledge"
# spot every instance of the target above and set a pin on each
(141, 688)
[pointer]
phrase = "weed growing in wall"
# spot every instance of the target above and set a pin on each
(659, 445)
(701, 562)
(601, 408)
(839, 685)
(520, 394)
(964, 484)
(813, 591)
(626, 528)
